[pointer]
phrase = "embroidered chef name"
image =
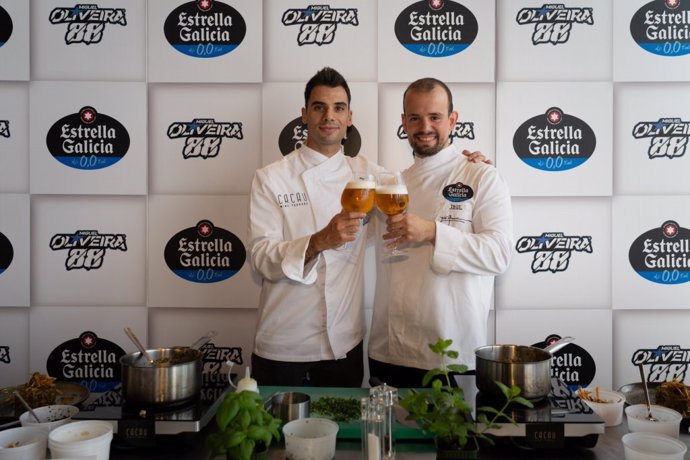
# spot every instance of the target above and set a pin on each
(292, 199)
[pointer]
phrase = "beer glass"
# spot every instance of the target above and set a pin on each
(358, 194)
(391, 197)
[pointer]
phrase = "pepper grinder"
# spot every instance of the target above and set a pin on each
(386, 398)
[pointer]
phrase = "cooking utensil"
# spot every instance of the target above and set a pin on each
(137, 343)
(525, 366)
(650, 417)
(203, 340)
(26, 405)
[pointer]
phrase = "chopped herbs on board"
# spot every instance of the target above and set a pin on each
(339, 409)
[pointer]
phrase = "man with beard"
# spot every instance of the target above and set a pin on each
(457, 235)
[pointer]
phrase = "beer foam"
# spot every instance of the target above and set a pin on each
(392, 189)
(361, 183)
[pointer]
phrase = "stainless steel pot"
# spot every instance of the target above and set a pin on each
(173, 377)
(527, 367)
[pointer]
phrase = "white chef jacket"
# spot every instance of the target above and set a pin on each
(443, 290)
(313, 312)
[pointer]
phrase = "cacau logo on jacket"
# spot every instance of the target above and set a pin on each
(4, 128)
(204, 253)
(318, 23)
(662, 255)
(5, 26)
(668, 136)
(6, 253)
(552, 250)
(205, 28)
(664, 363)
(554, 141)
(203, 136)
(86, 248)
(87, 140)
(294, 135)
(436, 28)
(662, 27)
(86, 22)
(89, 360)
(553, 22)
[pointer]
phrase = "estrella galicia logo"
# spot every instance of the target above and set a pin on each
(436, 28)
(458, 192)
(86, 248)
(662, 27)
(92, 361)
(87, 140)
(203, 136)
(553, 22)
(294, 135)
(665, 362)
(462, 130)
(6, 253)
(205, 28)
(86, 22)
(5, 354)
(552, 250)
(205, 253)
(4, 128)
(662, 255)
(5, 26)
(669, 136)
(554, 141)
(572, 364)
(213, 380)
(318, 23)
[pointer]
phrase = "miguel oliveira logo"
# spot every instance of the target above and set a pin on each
(318, 23)
(205, 253)
(552, 250)
(92, 361)
(572, 365)
(294, 135)
(213, 381)
(665, 362)
(6, 253)
(462, 130)
(554, 141)
(436, 28)
(662, 27)
(203, 136)
(4, 128)
(88, 140)
(668, 136)
(86, 22)
(553, 22)
(5, 26)
(662, 255)
(86, 248)
(5, 354)
(205, 28)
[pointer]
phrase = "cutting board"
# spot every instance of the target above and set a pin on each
(352, 429)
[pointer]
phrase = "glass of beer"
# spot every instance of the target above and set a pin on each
(359, 193)
(391, 197)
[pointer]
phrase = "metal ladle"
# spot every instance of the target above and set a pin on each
(650, 417)
(138, 344)
(26, 404)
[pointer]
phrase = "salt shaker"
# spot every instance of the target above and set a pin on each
(372, 429)
(386, 397)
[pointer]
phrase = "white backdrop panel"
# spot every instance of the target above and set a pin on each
(578, 48)
(632, 217)
(169, 215)
(14, 54)
(14, 346)
(295, 45)
(120, 279)
(166, 64)
(651, 139)
(125, 102)
(581, 273)
(15, 225)
(590, 102)
(14, 137)
(193, 162)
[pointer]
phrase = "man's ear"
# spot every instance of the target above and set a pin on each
(304, 115)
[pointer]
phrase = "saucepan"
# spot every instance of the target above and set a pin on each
(525, 366)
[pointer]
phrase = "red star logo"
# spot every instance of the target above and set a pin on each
(670, 229)
(554, 117)
(672, 4)
(87, 116)
(436, 4)
(88, 340)
(204, 228)
(205, 5)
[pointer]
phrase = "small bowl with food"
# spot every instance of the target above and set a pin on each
(607, 404)
(49, 417)
(23, 443)
(667, 421)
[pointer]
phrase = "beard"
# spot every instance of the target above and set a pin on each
(425, 149)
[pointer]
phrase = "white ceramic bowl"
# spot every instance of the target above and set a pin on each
(652, 446)
(668, 420)
(611, 411)
(310, 438)
(51, 416)
(30, 441)
(81, 439)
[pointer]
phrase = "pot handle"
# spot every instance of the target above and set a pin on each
(558, 344)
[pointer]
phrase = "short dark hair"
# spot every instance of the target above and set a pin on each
(426, 85)
(326, 77)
